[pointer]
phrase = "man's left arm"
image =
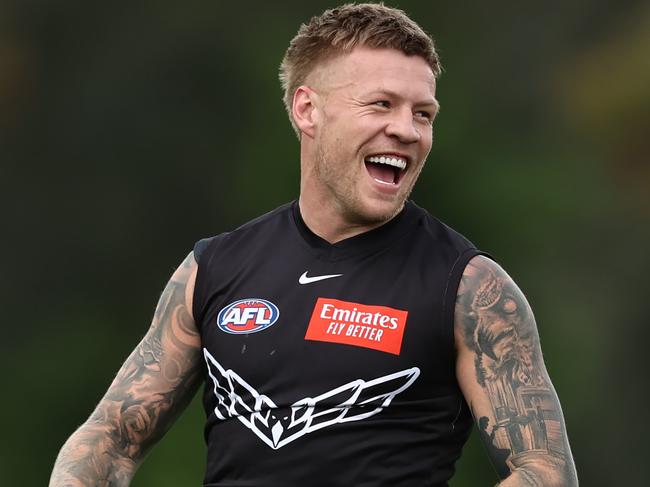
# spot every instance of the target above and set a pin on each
(501, 372)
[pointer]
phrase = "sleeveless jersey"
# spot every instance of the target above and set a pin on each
(331, 364)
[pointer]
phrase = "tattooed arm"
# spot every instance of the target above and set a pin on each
(151, 389)
(502, 374)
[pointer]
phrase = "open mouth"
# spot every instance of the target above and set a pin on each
(386, 169)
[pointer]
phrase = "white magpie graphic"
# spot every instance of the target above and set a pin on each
(277, 427)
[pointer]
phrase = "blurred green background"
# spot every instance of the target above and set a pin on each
(128, 130)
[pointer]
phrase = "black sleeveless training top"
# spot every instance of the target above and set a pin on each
(331, 364)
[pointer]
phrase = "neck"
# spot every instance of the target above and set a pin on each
(326, 221)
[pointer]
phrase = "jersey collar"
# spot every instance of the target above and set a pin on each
(363, 243)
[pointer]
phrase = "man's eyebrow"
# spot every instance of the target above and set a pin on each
(393, 94)
(434, 103)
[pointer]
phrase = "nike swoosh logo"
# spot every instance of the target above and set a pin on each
(308, 280)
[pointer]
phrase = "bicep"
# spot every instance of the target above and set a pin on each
(502, 374)
(160, 376)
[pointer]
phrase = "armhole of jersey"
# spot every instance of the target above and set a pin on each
(451, 291)
(199, 250)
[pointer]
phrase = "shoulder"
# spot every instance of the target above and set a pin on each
(437, 231)
(483, 283)
(446, 247)
(487, 291)
(261, 224)
(446, 253)
(484, 277)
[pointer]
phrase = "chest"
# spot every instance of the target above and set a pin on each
(297, 325)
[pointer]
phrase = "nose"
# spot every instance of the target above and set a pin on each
(401, 125)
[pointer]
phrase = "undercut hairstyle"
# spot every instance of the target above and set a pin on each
(340, 30)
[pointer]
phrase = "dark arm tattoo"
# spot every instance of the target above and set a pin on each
(504, 378)
(151, 389)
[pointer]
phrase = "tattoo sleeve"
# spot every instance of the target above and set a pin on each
(154, 385)
(501, 371)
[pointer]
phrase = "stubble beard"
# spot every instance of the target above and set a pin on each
(341, 185)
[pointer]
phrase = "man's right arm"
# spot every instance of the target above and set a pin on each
(152, 388)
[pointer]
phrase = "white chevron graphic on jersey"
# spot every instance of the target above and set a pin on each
(277, 427)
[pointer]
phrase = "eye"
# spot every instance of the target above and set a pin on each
(424, 114)
(382, 103)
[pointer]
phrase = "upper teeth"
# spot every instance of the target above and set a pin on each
(390, 160)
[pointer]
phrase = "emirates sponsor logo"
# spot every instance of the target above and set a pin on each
(376, 327)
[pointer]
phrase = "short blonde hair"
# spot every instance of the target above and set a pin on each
(340, 30)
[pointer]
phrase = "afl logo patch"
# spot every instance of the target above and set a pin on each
(247, 316)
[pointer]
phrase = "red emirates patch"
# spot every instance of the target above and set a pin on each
(377, 327)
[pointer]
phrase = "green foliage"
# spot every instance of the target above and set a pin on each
(127, 133)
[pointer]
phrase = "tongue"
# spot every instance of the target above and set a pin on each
(381, 171)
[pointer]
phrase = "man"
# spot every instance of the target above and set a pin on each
(341, 337)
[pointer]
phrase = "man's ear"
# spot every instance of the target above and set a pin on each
(304, 110)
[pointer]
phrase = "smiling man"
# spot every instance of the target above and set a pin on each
(346, 338)
(364, 119)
